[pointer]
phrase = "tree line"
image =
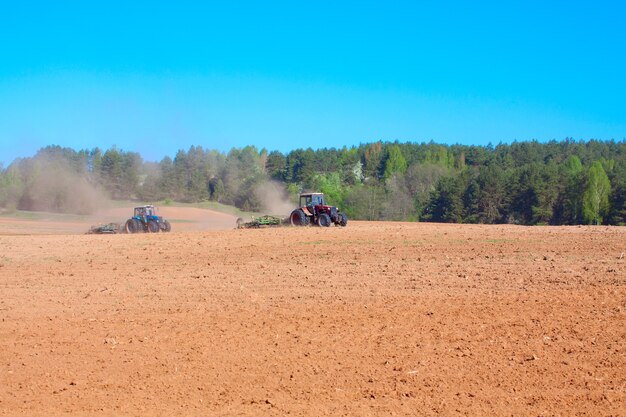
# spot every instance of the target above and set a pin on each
(556, 182)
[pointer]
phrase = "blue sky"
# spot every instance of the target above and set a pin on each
(155, 77)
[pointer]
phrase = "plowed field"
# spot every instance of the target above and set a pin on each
(373, 319)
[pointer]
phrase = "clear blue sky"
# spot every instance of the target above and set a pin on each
(155, 77)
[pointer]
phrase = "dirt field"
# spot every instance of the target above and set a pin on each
(375, 319)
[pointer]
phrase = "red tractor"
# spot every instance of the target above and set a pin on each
(314, 210)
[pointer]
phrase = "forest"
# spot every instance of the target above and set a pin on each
(563, 182)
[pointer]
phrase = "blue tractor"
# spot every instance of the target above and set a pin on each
(146, 220)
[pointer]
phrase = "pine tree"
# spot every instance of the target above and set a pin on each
(572, 197)
(446, 204)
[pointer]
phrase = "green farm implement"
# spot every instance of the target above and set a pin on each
(105, 229)
(259, 222)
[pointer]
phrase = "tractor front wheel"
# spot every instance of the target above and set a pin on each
(167, 227)
(298, 218)
(343, 219)
(153, 227)
(323, 220)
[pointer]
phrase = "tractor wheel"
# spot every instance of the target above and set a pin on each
(343, 219)
(323, 220)
(298, 218)
(167, 227)
(130, 226)
(137, 226)
(153, 227)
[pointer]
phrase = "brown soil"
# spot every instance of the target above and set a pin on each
(374, 319)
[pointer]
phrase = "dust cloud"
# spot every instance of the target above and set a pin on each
(54, 187)
(274, 199)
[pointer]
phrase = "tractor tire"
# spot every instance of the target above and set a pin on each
(153, 227)
(130, 226)
(166, 226)
(323, 220)
(343, 219)
(138, 226)
(298, 218)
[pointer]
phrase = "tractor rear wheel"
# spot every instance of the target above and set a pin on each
(153, 227)
(138, 226)
(323, 220)
(130, 226)
(298, 218)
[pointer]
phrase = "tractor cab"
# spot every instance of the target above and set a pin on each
(312, 200)
(145, 212)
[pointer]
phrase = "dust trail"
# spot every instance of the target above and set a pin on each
(274, 199)
(54, 187)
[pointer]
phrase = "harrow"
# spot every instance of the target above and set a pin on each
(105, 229)
(262, 221)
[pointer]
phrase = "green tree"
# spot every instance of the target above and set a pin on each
(167, 181)
(332, 187)
(372, 160)
(421, 180)
(521, 196)
(351, 166)
(300, 165)
(572, 200)
(149, 184)
(276, 166)
(11, 187)
(471, 201)
(394, 162)
(492, 194)
(111, 172)
(596, 196)
(617, 200)
(446, 204)
(399, 204)
(365, 202)
(546, 189)
(216, 187)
